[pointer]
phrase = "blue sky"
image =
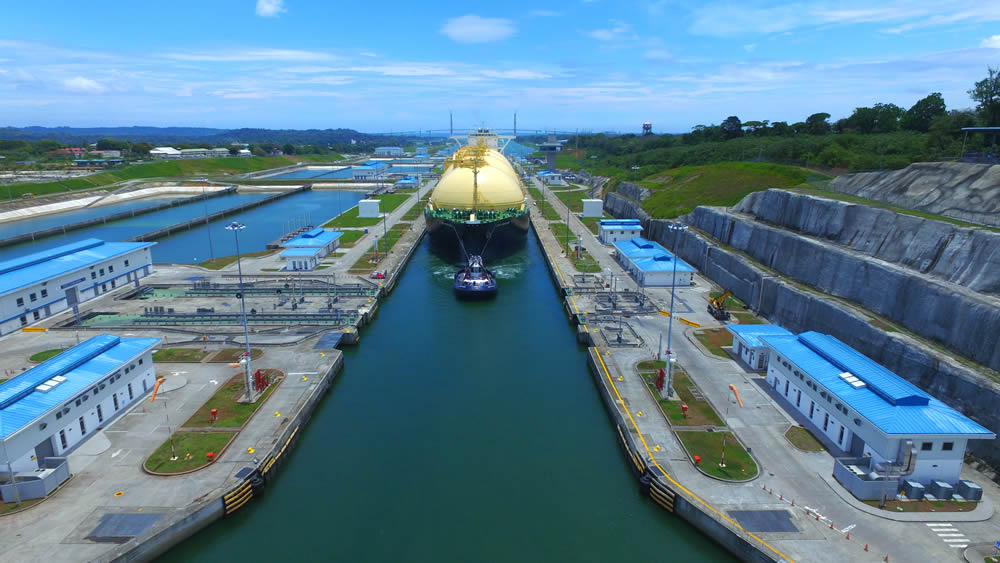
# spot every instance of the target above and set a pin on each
(389, 65)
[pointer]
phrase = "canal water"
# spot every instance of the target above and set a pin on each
(14, 228)
(263, 225)
(458, 431)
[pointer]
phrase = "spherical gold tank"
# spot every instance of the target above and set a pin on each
(496, 186)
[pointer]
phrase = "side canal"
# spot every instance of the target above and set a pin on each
(458, 431)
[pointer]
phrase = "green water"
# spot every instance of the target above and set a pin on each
(458, 432)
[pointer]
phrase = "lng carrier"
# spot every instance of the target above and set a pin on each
(479, 202)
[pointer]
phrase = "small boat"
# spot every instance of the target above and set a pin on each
(475, 280)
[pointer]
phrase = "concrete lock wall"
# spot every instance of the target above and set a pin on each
(799, 310)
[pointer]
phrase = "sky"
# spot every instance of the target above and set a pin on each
(588, 65)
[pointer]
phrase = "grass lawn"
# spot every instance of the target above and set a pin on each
(314, 158)
(179, 355)
(349, 238)
(714, 339)
(803, 439)
(700, 413)
(731, 301)
(574, 199)
(925, 505)
(586, 263)
(223, 261)
(593, 223)
(651, 364)
(350, 217)
(232, 414)
(678, 191)
(547, 211)
(48, 354)
(365, 264)
(195, 443)
(747, 318)
(6, 507)
(418, 208)
(879, 323)
(709, 446)
(536, 194)
(230, 355)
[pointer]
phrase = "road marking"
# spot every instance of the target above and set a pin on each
(848, 529)
(114, 455)
(932, 524)
(955, 540)
(951, 535)
(958, 545)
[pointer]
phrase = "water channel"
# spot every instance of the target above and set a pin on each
(264, 224)
(458, 431)
(13, 228)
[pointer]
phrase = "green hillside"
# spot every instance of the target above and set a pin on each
(679, 190)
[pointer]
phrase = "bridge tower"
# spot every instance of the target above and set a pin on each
(551, 148)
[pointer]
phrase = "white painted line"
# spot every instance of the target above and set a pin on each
(951, 535)
(848, 529)
(114, 455)
(125, 456)
(956, 540)
(932, 524)
(960, 546)
(155, 428)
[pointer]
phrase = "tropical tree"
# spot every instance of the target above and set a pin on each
(817, 124)
(919, 117)
(732, 127)
(987, 93)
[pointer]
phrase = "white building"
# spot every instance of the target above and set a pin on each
(55, 406)
(550, 178)
(301, 259)
(388, 151)
(611, 231)
(369, 208)
(306, 250)
(748, 345)
(42, 284)
(884, 431)
(165, 152)
(593, 207)
(369, 171)
(652, 265)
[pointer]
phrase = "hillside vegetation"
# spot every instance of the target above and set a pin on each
(678, 191)
(159, 169)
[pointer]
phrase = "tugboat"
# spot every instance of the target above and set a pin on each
(475, 280)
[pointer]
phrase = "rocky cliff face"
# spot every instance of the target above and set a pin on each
(633, 191)
(866, 255)
(970, 192)
(968, 257)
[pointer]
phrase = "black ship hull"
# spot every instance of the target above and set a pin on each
(491, 240)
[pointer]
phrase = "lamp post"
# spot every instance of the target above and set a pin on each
(236, 227)
(676, 228)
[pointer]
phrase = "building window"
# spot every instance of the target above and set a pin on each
(130, 395)
(62, 439)
(20, 301)
(100, 414)
(826, 421)
(948, 446)
(45, 293)
(840, 437)
(78, 402)
(24, 320)
(33, 297)
(926, 446)
(104, 287)
(58, 415)
(786, 388)
(111, 268)
(36, 315)
(126, 263)
(140, 361)
(93, 275)
(115, 396)
(798, 399)
(83, 426)
(102, 271)
(112, 284)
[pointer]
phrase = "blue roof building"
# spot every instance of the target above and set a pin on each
(52, 408)
(306, 250)
(878, 423)
(371, 170)
(652, 265)
(749, 347)
(44, 283)
(408, 182)
(388, 151)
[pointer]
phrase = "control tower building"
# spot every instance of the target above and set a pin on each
(551, 148)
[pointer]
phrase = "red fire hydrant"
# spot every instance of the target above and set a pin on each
(210, 456)
(215, 414)
(697, 459)
(684, 410)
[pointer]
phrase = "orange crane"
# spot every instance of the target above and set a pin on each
(717, 306)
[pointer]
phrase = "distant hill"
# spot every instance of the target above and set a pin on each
(170, 135)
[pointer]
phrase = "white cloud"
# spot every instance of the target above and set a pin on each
(404, 69)
(516, 74)
(619, 30)
(252, 55)
(657, 55)
(270, 8)
(84, 85)
(476, 29)
(991, 42)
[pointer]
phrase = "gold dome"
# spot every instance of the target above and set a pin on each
(497, 185)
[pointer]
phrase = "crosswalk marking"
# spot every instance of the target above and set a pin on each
(958, 545)
(932, 524)
(953, 540)
(951, 535)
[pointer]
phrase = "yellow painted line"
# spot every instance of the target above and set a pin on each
(671, 479)
(664, 313)
(33, 329)
(687, 322)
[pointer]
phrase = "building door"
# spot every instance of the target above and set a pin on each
(43, 450)
(72, 296)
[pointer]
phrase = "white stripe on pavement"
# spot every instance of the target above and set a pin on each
(953, 540)
(959, 545)
(951, 535)
(932, 524)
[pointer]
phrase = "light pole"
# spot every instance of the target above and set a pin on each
(676, 228)
(204, 201)
(236, 227)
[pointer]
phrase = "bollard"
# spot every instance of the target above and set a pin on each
(886, 559)
(817, 516)
(793, 503)
(764, 487)
(848, 536)
(831, 524)
(866, 547)
(781, 497)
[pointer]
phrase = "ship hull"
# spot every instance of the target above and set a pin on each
(507, 237)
